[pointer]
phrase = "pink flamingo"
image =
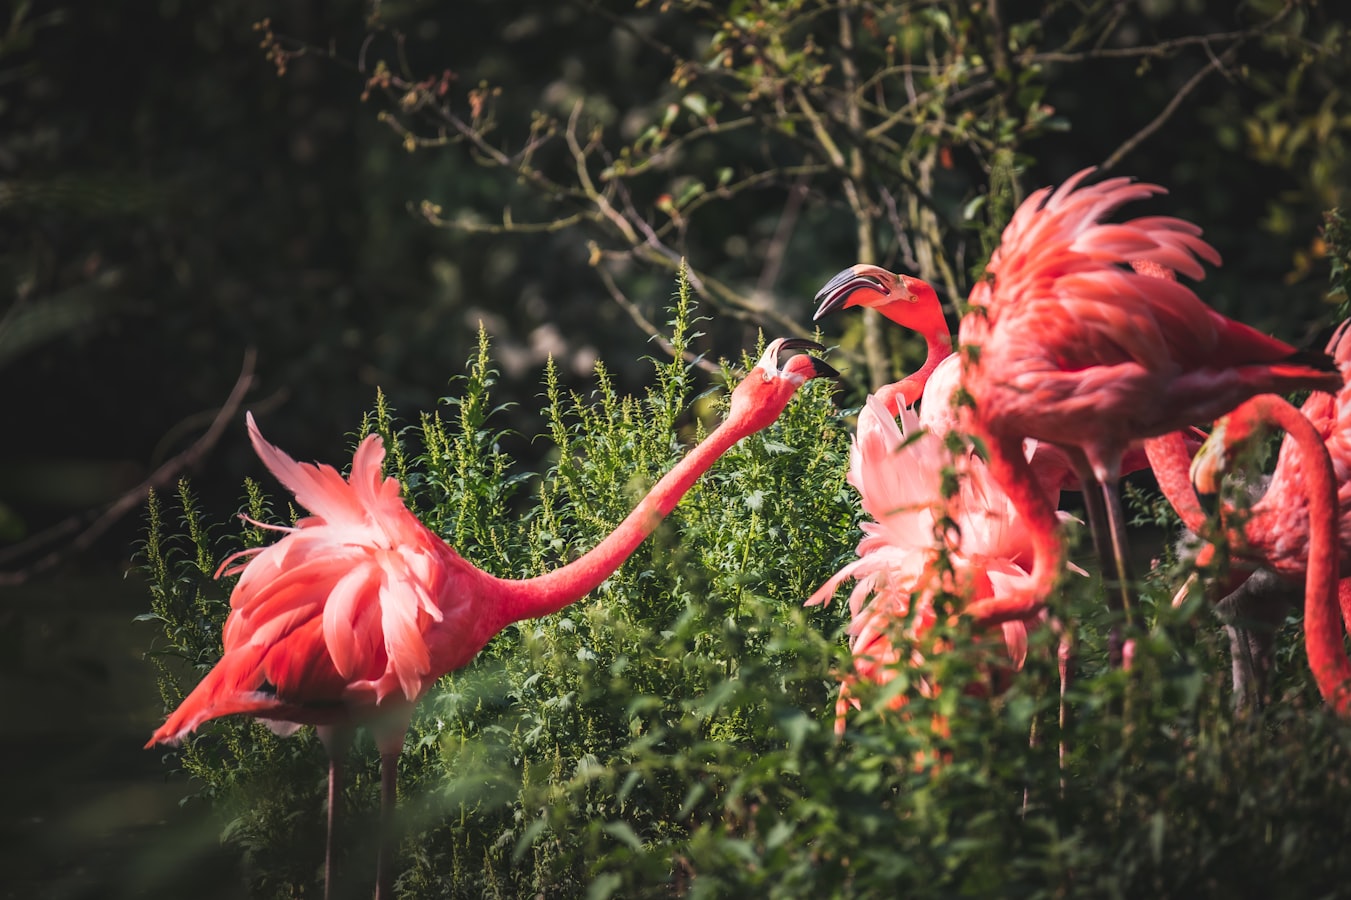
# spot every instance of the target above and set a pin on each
(913, 303)
(898, 471)
(1274, 533)
(907, 301)
(1067, 344)
(359, 609)
(1310, 543)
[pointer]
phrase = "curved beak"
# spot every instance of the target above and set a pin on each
(1207, 469)
(820, 368)
(836, 291)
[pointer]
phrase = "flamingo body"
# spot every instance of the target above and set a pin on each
(358, 609)
(1077, 348)
(351, 612)
(897, 469)
(1078, 339)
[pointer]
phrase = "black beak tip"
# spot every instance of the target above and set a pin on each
(823, 369)
(837, 290)
(838, 280)
(820, 368)
(833, 293)
(1210, 503)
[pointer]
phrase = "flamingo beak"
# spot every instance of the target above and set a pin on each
(837, 291)
(1207, 469)
(769, 361)
(820, 368)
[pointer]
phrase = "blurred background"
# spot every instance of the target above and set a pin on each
(333, 197)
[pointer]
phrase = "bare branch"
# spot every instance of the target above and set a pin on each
(783, 233)
(1216, 63)
(133, 498)
(645, 324)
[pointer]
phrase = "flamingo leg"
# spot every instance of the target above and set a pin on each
(384, 860)
(1106, 522)
(334, 792)
(1247, 693)
(1116, 569)
(335, 740)
(1064, 654)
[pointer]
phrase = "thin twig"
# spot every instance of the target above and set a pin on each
(644, 323)
(133, 498)
(783, 233)
(1216, 63)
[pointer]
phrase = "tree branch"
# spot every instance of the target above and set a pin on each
(133, 498)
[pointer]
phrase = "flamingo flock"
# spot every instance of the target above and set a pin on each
(1081, 337)
(1081, 356)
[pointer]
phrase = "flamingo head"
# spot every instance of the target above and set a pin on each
(763, 394)
(1232, 438)
(905, 300)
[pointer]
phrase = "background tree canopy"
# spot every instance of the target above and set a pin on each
(354, 195)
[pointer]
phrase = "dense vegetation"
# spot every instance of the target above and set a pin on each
(371, 194)
(672, 734)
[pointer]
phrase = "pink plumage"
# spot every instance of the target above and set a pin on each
(1069, 342)
(1078, 349)
(336, 616)
(898, 471)
(359, 608)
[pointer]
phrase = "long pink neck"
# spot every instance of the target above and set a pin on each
(544, 594)
(1171, 462)
(1322, 617)
(907, 391)
(1170, 459)
(1012, 472)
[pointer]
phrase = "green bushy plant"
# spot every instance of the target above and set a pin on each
(672, 733)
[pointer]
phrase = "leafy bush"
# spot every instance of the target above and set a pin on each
(672, 734)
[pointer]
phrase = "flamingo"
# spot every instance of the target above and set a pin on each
(1311, 528)
(353, 615)
(1066, 343)
(913, 303)
(898, 471)
(905, 300)
(1274, 535)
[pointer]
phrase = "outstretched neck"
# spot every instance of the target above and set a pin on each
(544, 594)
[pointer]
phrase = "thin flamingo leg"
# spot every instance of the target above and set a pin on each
(1104, 545)
(1064, 654)
(384, 861)
(335, 740)
(1120, 560)
(334, 792)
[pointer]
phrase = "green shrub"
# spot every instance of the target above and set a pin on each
(672, 733)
